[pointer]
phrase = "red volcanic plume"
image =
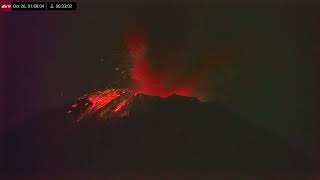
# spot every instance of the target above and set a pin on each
(164, 82)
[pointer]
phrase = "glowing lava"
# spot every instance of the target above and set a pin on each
(100, 99)
(121, 105)
(104, 104)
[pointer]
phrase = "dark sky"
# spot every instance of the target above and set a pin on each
(267, 50)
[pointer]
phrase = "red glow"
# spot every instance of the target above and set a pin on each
(161, 83)
(116, 102)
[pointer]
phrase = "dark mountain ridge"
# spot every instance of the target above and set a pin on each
(175, 135)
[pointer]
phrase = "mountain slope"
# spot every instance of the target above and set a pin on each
(178, 135)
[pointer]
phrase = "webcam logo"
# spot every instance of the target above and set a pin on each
(5, 6)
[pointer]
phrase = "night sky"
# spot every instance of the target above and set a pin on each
(265, 54)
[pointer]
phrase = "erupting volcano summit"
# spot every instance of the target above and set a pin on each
(109, 103)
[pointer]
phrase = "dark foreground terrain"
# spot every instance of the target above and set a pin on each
(172, 136)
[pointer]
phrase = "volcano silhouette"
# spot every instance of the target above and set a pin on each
(173, 135)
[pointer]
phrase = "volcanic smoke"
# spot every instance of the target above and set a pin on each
(148, 81)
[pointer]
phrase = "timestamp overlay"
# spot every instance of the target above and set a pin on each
(44, 6)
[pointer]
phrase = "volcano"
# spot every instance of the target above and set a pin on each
(109, 104)
(112, 102)
(176, 135)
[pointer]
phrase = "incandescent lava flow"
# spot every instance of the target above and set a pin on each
(110, 103)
